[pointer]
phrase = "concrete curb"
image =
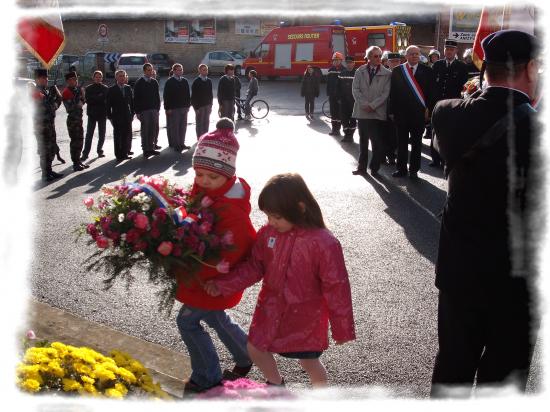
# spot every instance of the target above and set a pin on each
(167, 367)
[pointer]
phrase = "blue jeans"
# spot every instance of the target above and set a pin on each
(205, 364)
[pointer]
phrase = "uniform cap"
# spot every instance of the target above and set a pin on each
(509, 45)
(350, 59)
(451, 43)
(394, 56)
(70, 75)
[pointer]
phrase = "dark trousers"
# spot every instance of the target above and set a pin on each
(76, 134)
(403, 132)
(490, 333)
(335, 113)
(390, 140)
(122, 137)
(45, 137)
(310, 104)
(433, 153)
(90, 129)
(349, 124)
(373, 130)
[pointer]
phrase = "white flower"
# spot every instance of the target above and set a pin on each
(121, 217)
(145, 207)
(123, 237)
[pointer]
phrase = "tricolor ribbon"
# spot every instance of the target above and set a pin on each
(413, 84)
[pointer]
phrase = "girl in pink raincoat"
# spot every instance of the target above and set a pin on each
(305, 282)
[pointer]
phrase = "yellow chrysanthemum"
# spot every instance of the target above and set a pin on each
(121, 388)
(30, 385)
(136, 367)
(103, 374)
(113, 393)
(70, 385)
(86, 379)
(55, 369)
(82, 368)
(126, 375)
(89, 389)
(36, 356)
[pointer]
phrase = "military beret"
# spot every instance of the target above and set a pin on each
(70, 75)
(451, 43)
(505, 45)
(40, 73)
(394, 56)
(350, 59)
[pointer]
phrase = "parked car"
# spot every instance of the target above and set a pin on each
(86, 65)
(216, 61)
(132, 63)
(161, 62)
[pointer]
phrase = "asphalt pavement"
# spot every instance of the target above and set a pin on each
(388, 228)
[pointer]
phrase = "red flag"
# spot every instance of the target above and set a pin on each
(43, 36)
(490, 21)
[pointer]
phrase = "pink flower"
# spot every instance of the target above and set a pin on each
(223, 266)
(176, 251)
(112, 234)
(205, 228)
(91, 229)
(30, 334)
(89, 202)
(180, 233)
(141, 221)
(132, 236)
(227, 238)
(206, 202)
(155, 232)
(102, 242)
(165, 248)
(160, 214)
(131, 214)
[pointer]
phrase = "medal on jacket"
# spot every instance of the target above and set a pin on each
(271, 242)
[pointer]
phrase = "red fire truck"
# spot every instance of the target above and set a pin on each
(392, 37)
(286, 51)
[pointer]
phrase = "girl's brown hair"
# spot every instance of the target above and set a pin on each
(282, 195)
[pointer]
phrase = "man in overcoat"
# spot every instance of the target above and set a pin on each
(485, 269)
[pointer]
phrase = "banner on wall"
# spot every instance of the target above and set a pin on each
(190, 31)
(463, 24)
(250, 27)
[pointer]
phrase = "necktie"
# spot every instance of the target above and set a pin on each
(411, 71)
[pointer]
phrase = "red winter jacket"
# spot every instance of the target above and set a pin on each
(232, 207)
(305, 285)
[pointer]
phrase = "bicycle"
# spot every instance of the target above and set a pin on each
(258, 108)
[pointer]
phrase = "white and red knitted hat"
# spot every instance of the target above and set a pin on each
(217, 151)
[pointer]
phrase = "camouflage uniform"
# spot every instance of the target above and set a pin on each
(47, 102)
(73, 101)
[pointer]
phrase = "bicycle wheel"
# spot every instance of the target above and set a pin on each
(326, 108)
(259, 109)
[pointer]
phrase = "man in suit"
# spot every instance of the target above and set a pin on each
(412, 97)
(450, 76)
(120, 111)
(485, 270)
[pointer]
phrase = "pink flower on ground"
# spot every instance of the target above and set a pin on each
(206, 202)
(89, 202)
(30, 334)
(102, 242)
(223, 266)
(227, 238)
(165, 248)
(91, 229)
(141, 221)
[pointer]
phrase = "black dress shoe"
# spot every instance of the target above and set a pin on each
(359, 172)
(130, 153)
(413, 175)
(335, 133)
(84, 166)
(100, 155)
(157, 147)
(59, 158)
(154, 152)
(56, 175)
(83, 157)
(399, 173)
(433, 164)
(391, 162)
(48, 178)
(77, 167)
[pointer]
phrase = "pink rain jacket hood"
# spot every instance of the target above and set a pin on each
(305, 285)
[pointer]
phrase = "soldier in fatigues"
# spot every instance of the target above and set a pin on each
(73, 100)
(345, 80)
(332, 92)
(44, 123)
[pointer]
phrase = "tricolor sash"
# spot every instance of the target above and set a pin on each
(413, 84)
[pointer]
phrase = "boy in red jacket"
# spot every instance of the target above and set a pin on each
(214, 164)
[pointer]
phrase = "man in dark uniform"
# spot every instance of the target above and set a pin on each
(345, 81)
(485, 272)
(450, 76)
(120, 111)
(332, 92)
(412, 96)
(44, 123)
(73, 100)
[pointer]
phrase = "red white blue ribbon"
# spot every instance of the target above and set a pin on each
(413, 84)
